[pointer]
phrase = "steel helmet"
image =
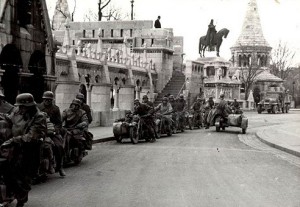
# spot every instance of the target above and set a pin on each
(165, 99)
(25, 99)
(145, 96)
(181, 96)
(171, 96)
(136, 100)
(222, 95)
(80, 96)
(48, 95)
(77, 102)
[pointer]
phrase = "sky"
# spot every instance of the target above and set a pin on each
(280, 19)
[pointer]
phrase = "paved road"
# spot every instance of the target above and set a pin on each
(197, 168)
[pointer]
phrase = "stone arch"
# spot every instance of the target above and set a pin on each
(10, 62)
(37, 66)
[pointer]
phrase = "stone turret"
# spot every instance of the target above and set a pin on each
(61, 13)
(251, 48)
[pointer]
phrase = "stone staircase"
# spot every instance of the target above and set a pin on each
(173, 86)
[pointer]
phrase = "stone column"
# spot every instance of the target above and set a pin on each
(116, 97)
(126, 98)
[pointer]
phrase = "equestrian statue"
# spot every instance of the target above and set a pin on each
(212, 40)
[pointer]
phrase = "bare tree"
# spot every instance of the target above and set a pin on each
(281, 60)
(114, 13)
(248, 77)
(101, 6)
(90, 16)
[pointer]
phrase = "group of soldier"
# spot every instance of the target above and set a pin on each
(173, 113)
(24, 127)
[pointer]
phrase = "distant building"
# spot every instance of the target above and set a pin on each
(27, 50)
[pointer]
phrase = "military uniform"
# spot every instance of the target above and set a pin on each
(5, 107)
(27, 130)
(88, 112)
(55, 117)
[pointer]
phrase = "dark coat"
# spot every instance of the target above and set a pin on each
(53, 113)
(74, 118)
(88, 112)
(157, 24)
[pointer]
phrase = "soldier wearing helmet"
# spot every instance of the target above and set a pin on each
(146, 101)
(165, 108)
(53, 113)
(5, 107)
(28, 127)
(74, 117)
(181, 103)
(145, 112)
(85, 107)
(222, 108)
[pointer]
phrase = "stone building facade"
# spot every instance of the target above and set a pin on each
(27, 51)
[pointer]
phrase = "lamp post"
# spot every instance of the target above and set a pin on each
(132, 1)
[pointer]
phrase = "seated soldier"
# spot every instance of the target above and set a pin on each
(165, 109)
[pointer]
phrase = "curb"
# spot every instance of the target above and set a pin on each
(260, 135)
(106, 139)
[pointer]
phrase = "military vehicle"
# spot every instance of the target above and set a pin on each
(274, 102)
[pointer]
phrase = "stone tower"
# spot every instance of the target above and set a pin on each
(251, 48)
(61, 13)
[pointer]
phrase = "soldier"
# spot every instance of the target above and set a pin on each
(173, 103)
(74, 118)
(197, 108)
(236, 106)
(149, 103)
(53, 112)
(5, 107)
(28, 127)
(145, 112)
(222, 107)
(146, 101)
(180, 108)
(208, 107)
(165, 109)
(85, 107)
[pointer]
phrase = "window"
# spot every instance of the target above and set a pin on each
(83, 33)
(131, 32)
(152, 42)
(102, 32)
(121, 33)
(112, 33)
(93, 33)
(143, 41)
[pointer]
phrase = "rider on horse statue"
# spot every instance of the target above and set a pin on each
(210, 35)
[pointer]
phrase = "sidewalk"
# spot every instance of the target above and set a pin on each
(102, 134)
(285, 137)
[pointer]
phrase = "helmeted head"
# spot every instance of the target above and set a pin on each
(222, 96)
(181, 96)
(165, 100)
(145, 98)
(136, 102)
(25, 99)
(171, 98)
(48, 97)
(75, 105)
(234, 99)
(80, 96)
(199, 99)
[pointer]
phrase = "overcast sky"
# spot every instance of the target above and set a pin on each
(280, 19)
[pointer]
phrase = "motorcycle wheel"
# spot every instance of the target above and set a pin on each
(191, 126)
(244, 131)
(78, 159)
(119, 139)
(134, 137)
(223, 128)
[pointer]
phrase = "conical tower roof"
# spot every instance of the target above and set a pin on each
(251, 34)
(61, 13)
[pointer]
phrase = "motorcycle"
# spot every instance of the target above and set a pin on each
(194, 119)
(121, 130)
(233, 120)
(161, 125)
(74, 144)
(138, 129)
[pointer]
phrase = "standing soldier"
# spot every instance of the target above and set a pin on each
(5, 107)
(53, 112)
(181, 107)
(28, 127)
(208, 106)
(197, 109)
(85, 107)
(173, 103)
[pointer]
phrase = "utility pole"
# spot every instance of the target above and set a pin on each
(132, 1)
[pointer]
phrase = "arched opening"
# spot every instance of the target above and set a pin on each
(82, 89)
(10, 62)
(37, 66)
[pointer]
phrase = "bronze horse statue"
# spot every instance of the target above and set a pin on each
(217, 41)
